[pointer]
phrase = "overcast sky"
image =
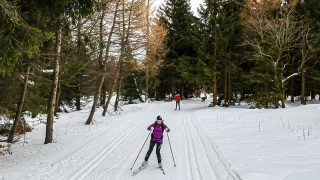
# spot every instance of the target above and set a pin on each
(194, 4)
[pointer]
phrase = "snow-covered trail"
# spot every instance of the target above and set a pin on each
(110, 154)
(195, 157)
(208, 143)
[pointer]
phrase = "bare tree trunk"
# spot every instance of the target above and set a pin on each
(105, 107)
(57, 100)
(276, 84)
(124, 43)
(229, 88)
(101, 42)
(303, 85)
(280, 86)
(78, 91)
(214, 79)
(214, 89)
(78, 75)
(103, 94)
(225, 95)
(282, 96)
(137, 88)
(102, 64)
(147, 84)
(52, 101)
(110, 92)
(106, 104)
(307, 53)
(20, 107)
(118, 95)
(95, 99)
(147, 55)
(214, 69)
(103, 74)
(227, 83)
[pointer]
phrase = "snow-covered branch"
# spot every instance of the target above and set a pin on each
(291, 76)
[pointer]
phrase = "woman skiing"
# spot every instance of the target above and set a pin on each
(156, 139)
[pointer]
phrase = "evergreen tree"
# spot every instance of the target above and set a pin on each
(259, 80)
(18, 38)
(181, 45)
(230, 39)
(308, 12)
(310, 9)
(222, 35)
(209, 14)
(132, 86)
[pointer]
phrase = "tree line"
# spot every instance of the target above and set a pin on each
(258, 51)
(59, 53)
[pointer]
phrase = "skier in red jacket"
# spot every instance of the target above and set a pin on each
(177, 98)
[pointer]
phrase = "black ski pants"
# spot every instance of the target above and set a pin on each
(177, 104)
(158, 147)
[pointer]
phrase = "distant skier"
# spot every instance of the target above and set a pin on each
(203, 97)
(177, 98)
(156, 139)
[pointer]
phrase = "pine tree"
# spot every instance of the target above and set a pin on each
(209, 14)
(309, 13)
(131, 87)
(230, 40)
(181, 45)
(18, 38)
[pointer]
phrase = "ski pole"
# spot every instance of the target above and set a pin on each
(171, 150)
(141, 149)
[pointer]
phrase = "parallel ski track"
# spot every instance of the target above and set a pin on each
(101, 175)
(194, 138)
(192, 163)
(52, 171)
(107, 150)
(217, 160)
(200, 145)
(95, 159)
(204, 150)
(132, 155)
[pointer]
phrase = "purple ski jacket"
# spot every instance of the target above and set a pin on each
(158, 132)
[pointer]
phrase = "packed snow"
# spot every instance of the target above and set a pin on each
(207, 143)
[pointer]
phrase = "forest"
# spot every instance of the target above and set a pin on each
(63, 53)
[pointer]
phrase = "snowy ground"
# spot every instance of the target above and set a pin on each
(208, 143)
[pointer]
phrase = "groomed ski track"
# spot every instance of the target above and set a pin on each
(111, 153)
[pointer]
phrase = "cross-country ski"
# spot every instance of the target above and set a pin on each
(161, 168)
(139, 169)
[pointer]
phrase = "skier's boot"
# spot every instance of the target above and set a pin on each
(160, 165)
(144, 163)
